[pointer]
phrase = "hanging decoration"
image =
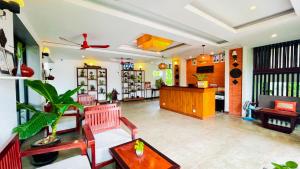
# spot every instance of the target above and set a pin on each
(162, 65)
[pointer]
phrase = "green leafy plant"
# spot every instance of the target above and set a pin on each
(139, 146)
(40, 119)
(20, 50)
(159, 83)
(200, 77)
(132, 77)
(109, 96)
(287, 165)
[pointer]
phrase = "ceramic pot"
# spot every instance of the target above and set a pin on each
(25, 71)
(202, 84)
(47, 158)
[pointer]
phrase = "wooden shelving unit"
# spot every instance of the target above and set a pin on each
(93, 81)
(133, 87)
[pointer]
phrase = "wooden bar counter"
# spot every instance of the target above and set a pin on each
(195, 102)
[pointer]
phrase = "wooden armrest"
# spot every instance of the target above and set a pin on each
(130, 125)
(88, 134)
(59, 147)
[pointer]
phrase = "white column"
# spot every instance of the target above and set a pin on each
(247, 79)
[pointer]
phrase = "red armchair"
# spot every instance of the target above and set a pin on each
(103, 131)
(10, 155)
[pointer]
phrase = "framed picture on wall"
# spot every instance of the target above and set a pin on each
(10, 61)
(222, 57)
(3, 64)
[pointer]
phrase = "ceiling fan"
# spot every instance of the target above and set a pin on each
(84, 45)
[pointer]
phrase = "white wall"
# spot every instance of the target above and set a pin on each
(226, 107)
(8, 113)
(247, 75)
(64, 72)
(33, 60)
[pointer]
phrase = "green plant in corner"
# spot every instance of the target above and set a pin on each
(109, 96)
(287, 165)
(40, 119)
(200, 77)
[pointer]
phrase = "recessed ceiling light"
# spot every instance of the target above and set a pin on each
(83, 56)
(252, 8)
(274, 35)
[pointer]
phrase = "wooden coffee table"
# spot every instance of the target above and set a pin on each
(126, 158)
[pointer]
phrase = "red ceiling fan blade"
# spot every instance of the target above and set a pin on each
(99, 46)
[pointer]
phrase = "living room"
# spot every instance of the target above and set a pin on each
(142, 84)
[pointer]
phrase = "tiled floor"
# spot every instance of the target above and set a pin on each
(224, 142)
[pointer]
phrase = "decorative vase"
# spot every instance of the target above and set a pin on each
(19, 68)
(139, 153)
(202, 84)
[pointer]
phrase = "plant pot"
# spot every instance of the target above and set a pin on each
(25, 71)
(47, 158)
(139, 153)
(202, 84)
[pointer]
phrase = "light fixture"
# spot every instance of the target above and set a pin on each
(203, 55)
(274, 35)
(153, 43)
(212, 53)
(162, 65)
(12, 5)
(190, 57)
(234, 53)
(175, 63)
(46, 51)
(83, 56)
(252, 8)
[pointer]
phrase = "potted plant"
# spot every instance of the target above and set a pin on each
(92, 76)
(109, 97)
(159, 83)
(56, 104)
(200, 80)
(82, 73)
(82, 91)
(132, 77)
(287, 165)
(93, 88)
(139, 148)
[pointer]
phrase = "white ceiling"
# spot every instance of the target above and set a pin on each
(120, 22)
(238, 11)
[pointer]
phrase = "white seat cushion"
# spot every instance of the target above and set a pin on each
(77, 162)
(106, 140)
(66, 122)
(70, 112)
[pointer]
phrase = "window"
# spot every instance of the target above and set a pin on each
(277, 70)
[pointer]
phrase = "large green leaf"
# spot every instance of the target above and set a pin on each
(68, 94)
(291, 164)
(35, 124)
(27, 107)
(44, 89)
